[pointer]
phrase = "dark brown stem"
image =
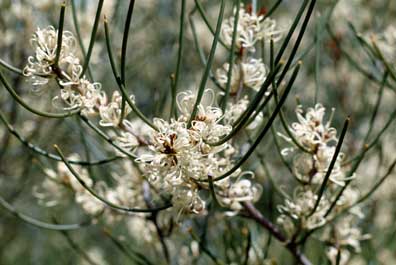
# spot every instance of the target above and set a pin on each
(264, 222)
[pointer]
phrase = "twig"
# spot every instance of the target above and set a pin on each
(264, 222)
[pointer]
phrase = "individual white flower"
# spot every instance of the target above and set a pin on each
(207, 125)
(270, 30)
(127, 141)
(84, 95)
(254, 73)
(345, 233)
(59, 183)
(110, 112)
(250, 29)
(300, 208)
(92, 97)
(234, 111)
(70, 71)
(249, 73)
(311, 130)
(185, 101)
(312, 168)
(233, 193)
(186, 199)
(44, 41)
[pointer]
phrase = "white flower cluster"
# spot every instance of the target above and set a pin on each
(247, 71)
(317, 137)
(300, 208)
(251, 28)
(310, 168)
(41, 67)
(181, 159)
(342, 235)
(76, 91)
(235, 110)
(60, 183)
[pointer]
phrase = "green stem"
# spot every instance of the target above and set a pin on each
(206, 73)
(244, 118)
(331, 166)
(125, 38)
(27, 107)
(93, 37)
(60, 33)
(11, 68)
(204, 16)
(201, 52)
(231, 57)
(264, 130)
(78, 33)
(37, 223)
(49, 155)
(179, 59)
(102, 199)
(291, 31)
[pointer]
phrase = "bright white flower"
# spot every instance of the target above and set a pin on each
(310, 130)
(185, 101)
(249, 73)
(180, 156)
(312, 168)
(84, 95)
(187, 199)
(235, 110)
(233, 193)
(44, 41)
(250, 29)
(345, 233)
(254, 73)
(301, 206)
(110, 112)
(127, 140)
(270, 30)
